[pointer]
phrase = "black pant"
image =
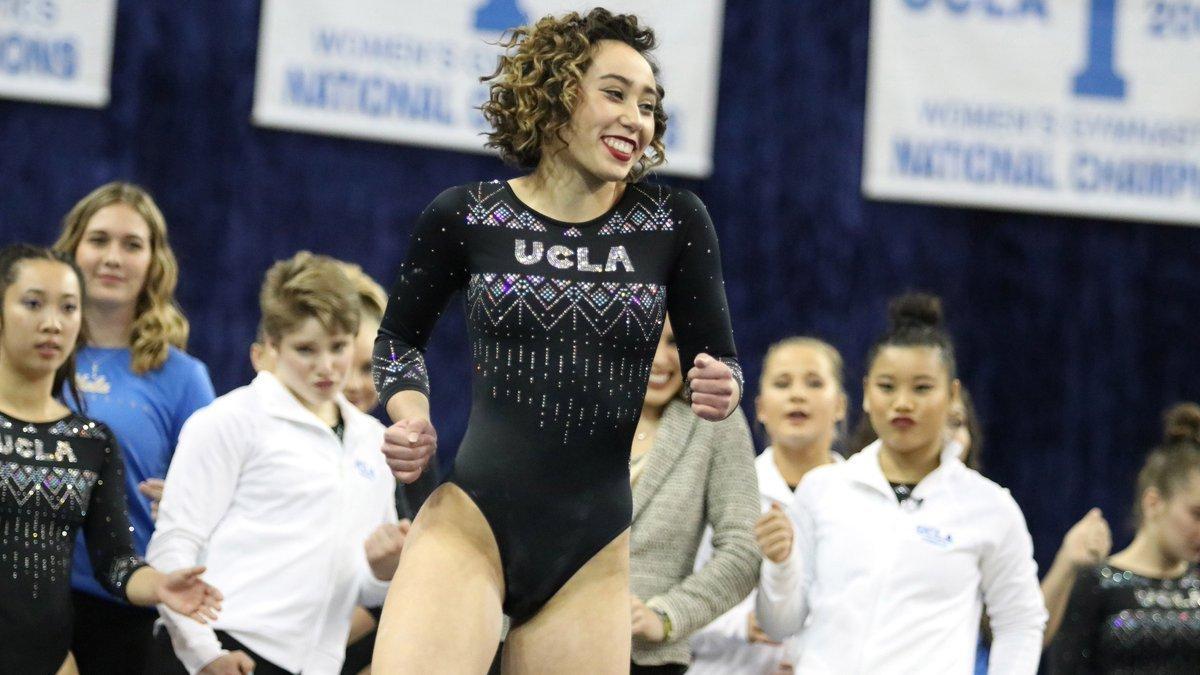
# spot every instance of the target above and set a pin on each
(108, 637)
(164, 662)
(666, 669)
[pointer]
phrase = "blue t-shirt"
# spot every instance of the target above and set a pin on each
(145, 413)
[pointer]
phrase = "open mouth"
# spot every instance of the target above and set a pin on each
(658, 380)
(620, 148)
(797, 416)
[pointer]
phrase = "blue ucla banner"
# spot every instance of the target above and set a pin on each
(408, 70)
(1086, 107)
(56, 51)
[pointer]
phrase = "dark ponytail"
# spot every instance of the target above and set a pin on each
(915, 320)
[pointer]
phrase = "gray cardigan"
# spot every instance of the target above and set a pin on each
(697, 473)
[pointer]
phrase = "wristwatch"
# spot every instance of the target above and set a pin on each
(666, 622)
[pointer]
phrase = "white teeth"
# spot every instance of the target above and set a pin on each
(660, 379)
(619, 145)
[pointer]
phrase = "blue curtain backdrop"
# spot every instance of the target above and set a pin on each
(1073, 334)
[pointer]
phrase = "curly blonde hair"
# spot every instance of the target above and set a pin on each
(535, 87)
(158, 321)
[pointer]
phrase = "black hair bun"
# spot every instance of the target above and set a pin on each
(1181, 423)
(915, 310)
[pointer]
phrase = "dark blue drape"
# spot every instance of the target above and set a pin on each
(1073, 334)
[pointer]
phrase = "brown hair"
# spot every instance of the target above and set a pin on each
(372, 298)
(11, 258)
(1172, 464)
(158, 322)
(308, 285)
(535, 88)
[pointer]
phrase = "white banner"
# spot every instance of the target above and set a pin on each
(408, 70)
(56, 51)
(1086, 107)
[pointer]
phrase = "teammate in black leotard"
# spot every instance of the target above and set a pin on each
(568, 273)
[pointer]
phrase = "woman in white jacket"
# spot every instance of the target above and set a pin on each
(801, 403)
(887, 559)
(280, 487)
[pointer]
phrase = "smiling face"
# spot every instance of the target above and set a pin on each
(613, 122)
(312, 362)
(41, 318)
(800, 401)
(666, 377)
(908, 395)
(114, 254)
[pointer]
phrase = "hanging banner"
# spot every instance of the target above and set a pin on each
(408, 71)
(1085, 107)
(57, 51)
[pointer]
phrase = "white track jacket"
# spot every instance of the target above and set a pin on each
(875, 586)
(263, 493)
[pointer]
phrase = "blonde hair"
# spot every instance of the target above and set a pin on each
(830, 352)
(158, 322)
(535, 88)
(308, 285)
(372, 298)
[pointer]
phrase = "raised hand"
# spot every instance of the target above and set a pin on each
(152, 489)
(384, 546)
(408, 445)
(185, 592)
(1088, 542)
(714, 390)
(773, 532)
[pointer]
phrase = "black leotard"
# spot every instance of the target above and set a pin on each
(564, 319)
(55, 477)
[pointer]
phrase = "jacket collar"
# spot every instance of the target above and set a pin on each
(674, 432)
(864, 468)
(771, 483)
(278, 402)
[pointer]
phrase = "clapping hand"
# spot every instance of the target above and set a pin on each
(773, 532)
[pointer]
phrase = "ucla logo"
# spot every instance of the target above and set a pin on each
(364, 470)
(565, 257)
(932, 535)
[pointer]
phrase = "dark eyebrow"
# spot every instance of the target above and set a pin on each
(629, 83)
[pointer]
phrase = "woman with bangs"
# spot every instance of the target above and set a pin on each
(569, 272)
(134, 376)
(883, 563)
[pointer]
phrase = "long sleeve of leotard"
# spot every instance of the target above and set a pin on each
(106, 528)
(434, 269)
(696, 300)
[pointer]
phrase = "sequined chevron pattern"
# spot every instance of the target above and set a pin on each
(392, 365)
(485, 208)
(530, 302)
(653, 216)
(579, 324)
(55, 486)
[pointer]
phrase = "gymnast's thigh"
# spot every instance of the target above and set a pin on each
(442, 613)
(585, 626)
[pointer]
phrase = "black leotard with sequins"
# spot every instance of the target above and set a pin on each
(55, 478)
(563, 319)
(1121, 623)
